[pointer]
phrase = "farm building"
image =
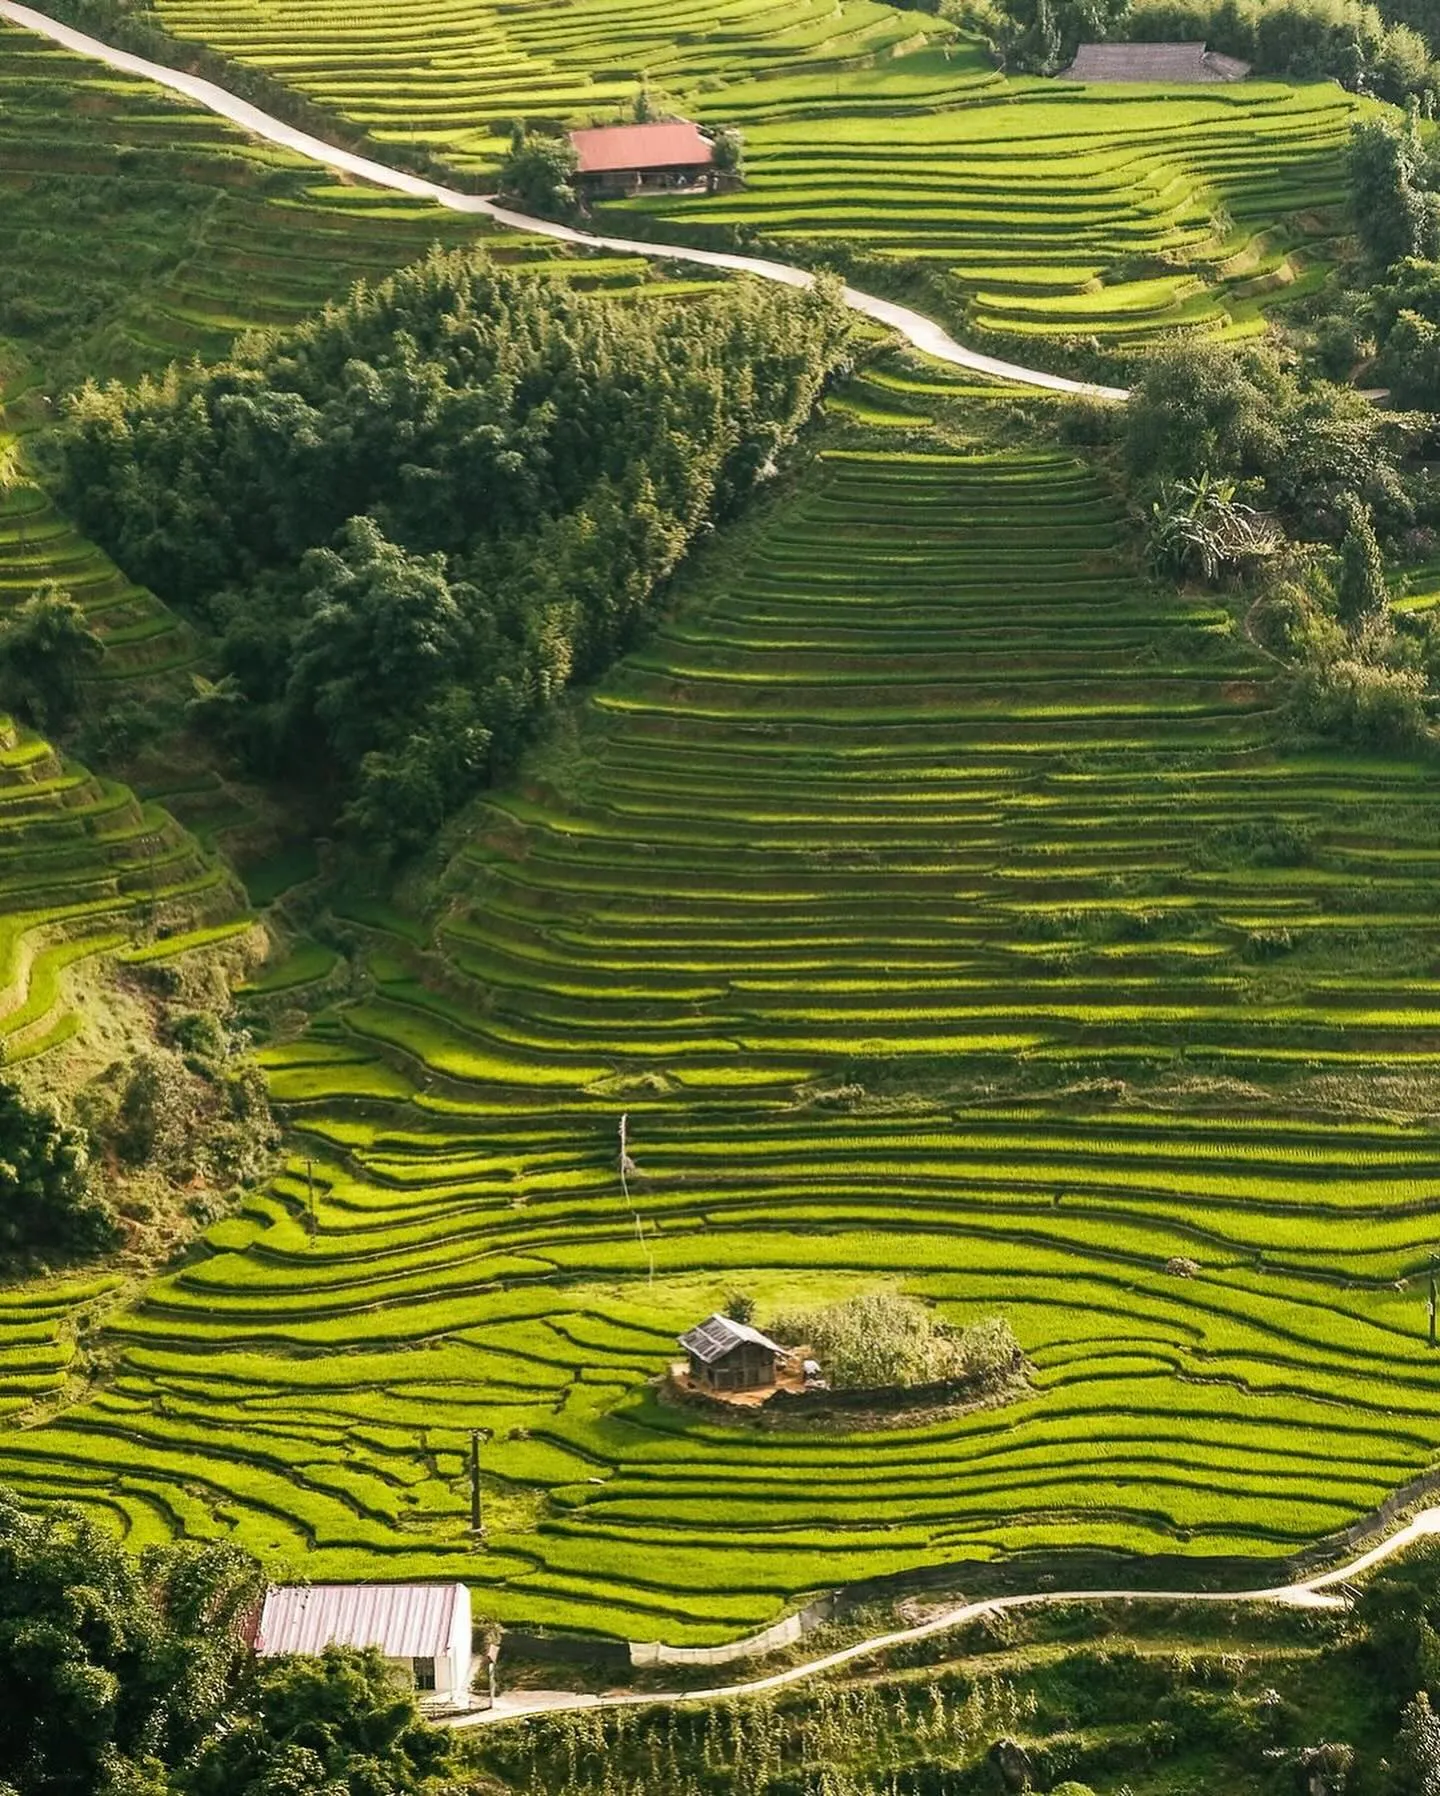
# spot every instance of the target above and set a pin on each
(731, 1356)
(423, 1628)
(1153, 62)
(637, 158)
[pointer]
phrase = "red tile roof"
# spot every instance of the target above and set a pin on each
(406, 1621)
(610, 149)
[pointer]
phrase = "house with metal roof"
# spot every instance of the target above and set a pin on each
(640, 158)
(1167, 64)
(425, 1629)
(726, 1355)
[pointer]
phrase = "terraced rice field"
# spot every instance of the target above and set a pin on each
(87, 870)
(1036, 209)
(930, 897)
(875, 136)
(177, 231)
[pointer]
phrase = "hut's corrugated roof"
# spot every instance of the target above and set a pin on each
(1153, 62)
(406, 1621)
(719, 1335)
(612, 149)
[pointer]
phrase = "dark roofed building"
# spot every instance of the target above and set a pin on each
(731, 1356)
(1166, 64)
(630, 158)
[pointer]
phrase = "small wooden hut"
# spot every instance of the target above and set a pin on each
(731, 1356)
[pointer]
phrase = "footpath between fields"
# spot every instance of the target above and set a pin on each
(920, 332)
(1323, 1591)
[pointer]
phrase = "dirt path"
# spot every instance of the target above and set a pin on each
(1319, 1592)
(921, 332)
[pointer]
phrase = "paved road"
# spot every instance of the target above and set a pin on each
(917, 329)
(1319, 1592)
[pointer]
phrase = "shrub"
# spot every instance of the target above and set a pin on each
(1364, 704)
(885, 1338)
(740, 1306)
(46, 1204)
(46, 650)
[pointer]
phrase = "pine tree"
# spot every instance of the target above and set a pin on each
(1361, 590)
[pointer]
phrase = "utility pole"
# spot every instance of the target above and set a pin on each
(627, 1166)
(477, 1520)
(310, 1188)
(1431, 1304)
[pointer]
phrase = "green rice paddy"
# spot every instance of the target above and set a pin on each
(913, 892)
(86, 870)
(876, 138)
(145, 229)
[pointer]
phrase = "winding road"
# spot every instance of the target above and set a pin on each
(1324, 1591)
(918, 330)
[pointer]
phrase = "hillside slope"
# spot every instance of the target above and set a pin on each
(878, 140)
(932, 899)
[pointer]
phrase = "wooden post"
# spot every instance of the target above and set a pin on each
(477, 1523)
(627, 1166)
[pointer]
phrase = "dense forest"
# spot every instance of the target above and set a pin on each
(1386, 51)
(411, 522)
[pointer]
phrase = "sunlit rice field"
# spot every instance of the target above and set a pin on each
(910, 893)
(876, 136)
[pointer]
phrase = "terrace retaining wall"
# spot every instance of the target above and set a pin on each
(785, 1404)
(1376, 1521)
(784, 1633)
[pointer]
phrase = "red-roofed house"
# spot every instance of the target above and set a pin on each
(423, 1628)
(633, 158)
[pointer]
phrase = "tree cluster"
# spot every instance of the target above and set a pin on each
(1395, 209)
(130, 1677)
(1246, 467)
(1037, 36)
(1351, 41)
(538, 175)
(408, 524)
(47, 1208)
(883, 1337)
(1297, 448)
